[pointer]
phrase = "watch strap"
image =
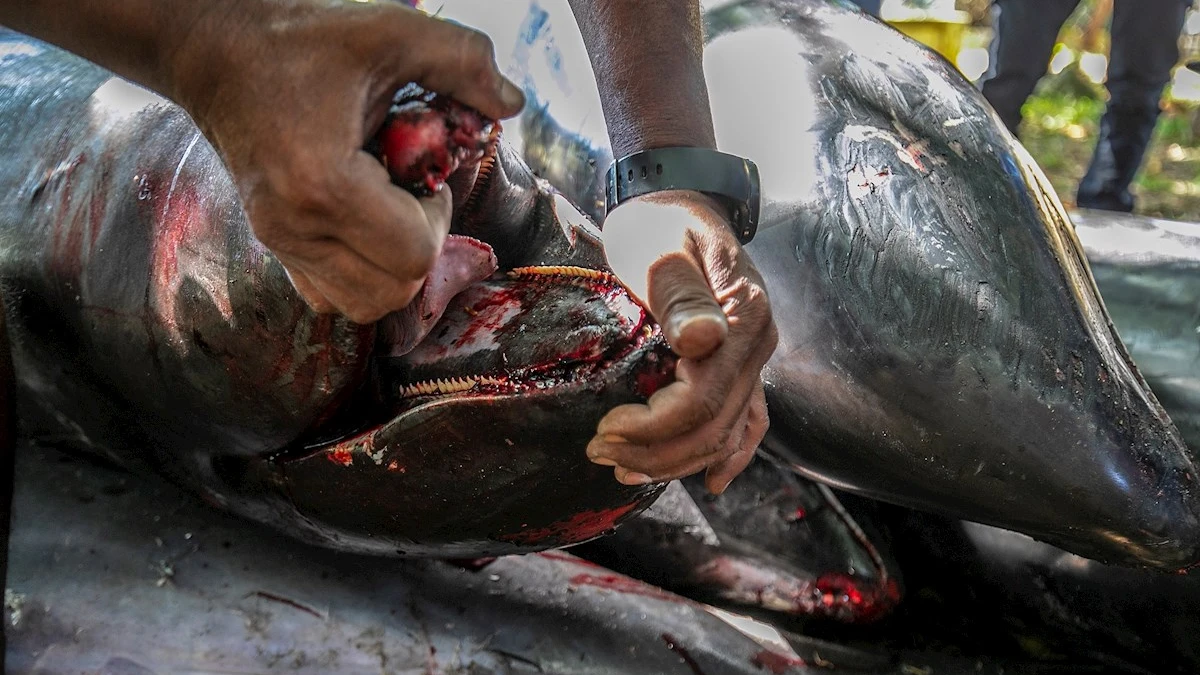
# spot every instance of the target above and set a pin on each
(732, 179)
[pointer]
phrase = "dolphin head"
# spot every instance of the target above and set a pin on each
(469, 438)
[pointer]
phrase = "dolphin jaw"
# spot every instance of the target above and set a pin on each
(485, 323)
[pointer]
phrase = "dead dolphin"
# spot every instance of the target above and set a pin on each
(773, 543)
(117, 573)
(942, 341)
(150, 326)
(1001, 593)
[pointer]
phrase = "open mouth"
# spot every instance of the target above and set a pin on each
(534, 329)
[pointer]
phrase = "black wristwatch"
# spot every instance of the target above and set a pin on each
(727, 178)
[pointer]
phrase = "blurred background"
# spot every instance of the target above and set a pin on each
(1061, 119)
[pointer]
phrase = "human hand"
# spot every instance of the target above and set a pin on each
(290, 95)
(676, 252)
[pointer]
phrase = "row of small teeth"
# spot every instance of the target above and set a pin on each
(562, 271)
(451, 386)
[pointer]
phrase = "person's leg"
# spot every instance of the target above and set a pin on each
(1145, 47)
(1025, 33)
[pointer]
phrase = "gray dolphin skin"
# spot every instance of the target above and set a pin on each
(118, 574)
(148, 325)
(944, 349)
(942, 342)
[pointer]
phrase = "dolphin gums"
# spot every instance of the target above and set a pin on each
(943, 344)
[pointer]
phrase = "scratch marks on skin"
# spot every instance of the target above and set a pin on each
(912, 151)
(863, 181)
(295, 604)
(185, 249)
(175, 178)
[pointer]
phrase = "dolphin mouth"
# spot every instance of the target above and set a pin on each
(532, 329)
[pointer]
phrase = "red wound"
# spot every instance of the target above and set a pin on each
(427, 137)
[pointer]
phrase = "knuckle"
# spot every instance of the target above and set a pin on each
(423, 256)
(477, 48)
(717, 449)
(476, 54)
(363, 314)
(308, 186)
(710, 405)
(401, 295)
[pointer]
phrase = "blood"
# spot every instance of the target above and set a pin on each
(472, 564)
(485, 321)
(426, 137)
(674, 646)
(340, 455)
(567, 558)
(620, 584)
(579, 527)
(865, 604)
(67, 236)
(660, 374)
(775, 662)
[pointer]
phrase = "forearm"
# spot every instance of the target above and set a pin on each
(647, 61)
(136, 39)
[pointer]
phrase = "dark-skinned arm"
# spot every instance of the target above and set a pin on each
(288, 91)
(676, 251)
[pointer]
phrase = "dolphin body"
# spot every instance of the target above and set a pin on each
(149, 326)
(943, 344)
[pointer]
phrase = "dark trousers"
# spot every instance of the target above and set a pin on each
(1145, 47)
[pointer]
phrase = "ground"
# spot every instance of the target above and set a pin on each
(1062, 118)
(1060, 131)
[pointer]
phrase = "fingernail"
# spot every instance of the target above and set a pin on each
(601, 460)
(697, 330)
(636, 479)
(721, 490)
(612, 438)
(512, 97)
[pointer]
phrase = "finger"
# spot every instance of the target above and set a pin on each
(456, 61)
(308, 292)
(683, 453)
(627, 477)
(721, 474)
(439, 209)
(387, 226)
(357, 288)
(702, 389)
(648, 245)
(622, 435)
(680, 296)
(679, 457)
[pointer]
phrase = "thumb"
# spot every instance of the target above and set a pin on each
(682, 300)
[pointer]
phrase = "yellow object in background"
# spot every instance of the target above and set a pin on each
(934, 23)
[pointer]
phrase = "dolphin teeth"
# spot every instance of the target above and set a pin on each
(442, 387)
(562, 271)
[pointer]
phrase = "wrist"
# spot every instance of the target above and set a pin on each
(706, 209)
(218, 46)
